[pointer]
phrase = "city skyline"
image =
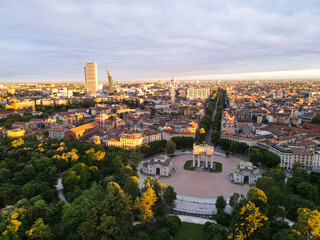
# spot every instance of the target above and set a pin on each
(146, 41)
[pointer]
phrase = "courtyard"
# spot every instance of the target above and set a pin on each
(202, 184)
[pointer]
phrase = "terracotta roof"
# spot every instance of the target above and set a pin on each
(19, 123)
(36, 120)
(85, 127)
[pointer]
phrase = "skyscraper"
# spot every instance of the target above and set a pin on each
(111, 87)
(91, 77)
(172, 90)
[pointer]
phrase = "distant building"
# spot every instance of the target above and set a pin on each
(198, 93)
(129, 140)
(11, 91)
(172, 90)
(91, 77)
(228, 123)
(245, 173)
(159, 165)
(25, 104)
(82, 131)
(57, 132)
(111, 87)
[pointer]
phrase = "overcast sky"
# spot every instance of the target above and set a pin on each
(148, 39)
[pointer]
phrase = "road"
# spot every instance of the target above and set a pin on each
(208, 135)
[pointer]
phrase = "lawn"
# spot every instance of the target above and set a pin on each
(188, 165)
(218, 167)
(190, 231)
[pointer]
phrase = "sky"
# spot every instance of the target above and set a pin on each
(148, 39)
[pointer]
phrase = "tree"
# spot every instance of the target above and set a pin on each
(249, 220)
(308, 223)
(94, 157)
(255, 156)
(215, 231)
(277, 174)
(17, 143)
(287, 234)
(234, 200)
(256, 194)
(144, 236)
(220, 203)
(111, 218)
(234, 147)
(79, 175)
(144, 204)
(315, 120)
(173, 223)
(76, 214)
(299, 171)
(169, 195)
(171, 147)
(11, 231)
(39, 231)
(224, 143)
(183, 142)
(223, 218)
(215, 137)
(162, 234)
(243, 147)
(265, 183)
(131, 187)
(308, 191)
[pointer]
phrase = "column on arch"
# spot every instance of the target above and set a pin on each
(199, 157)
(206, 160)
(211, 164)
(194, 161)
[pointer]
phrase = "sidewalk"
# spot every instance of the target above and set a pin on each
(195, 220)
(193, 205)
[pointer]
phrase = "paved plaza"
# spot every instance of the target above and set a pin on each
(201, 184)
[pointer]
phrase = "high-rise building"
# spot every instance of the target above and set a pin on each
(172, 90)
(111, 87)
(198, 93)
(91, 77)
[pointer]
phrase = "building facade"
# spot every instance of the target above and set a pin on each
(198, 93)
(245, 173)
(111, 86)
(129, 140)
(91, 77)
(81, 132)
(159, 165)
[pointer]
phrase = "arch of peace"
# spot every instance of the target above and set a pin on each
(200, 151)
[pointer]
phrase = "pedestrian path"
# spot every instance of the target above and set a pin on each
(198, 206)
(196, 220)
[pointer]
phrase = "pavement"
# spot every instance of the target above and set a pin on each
(59, 188)
(201, 206)
(195, 220)
(200, 184)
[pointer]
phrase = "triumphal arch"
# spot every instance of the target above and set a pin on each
(203, 151)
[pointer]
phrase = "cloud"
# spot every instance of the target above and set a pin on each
(149, 39)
